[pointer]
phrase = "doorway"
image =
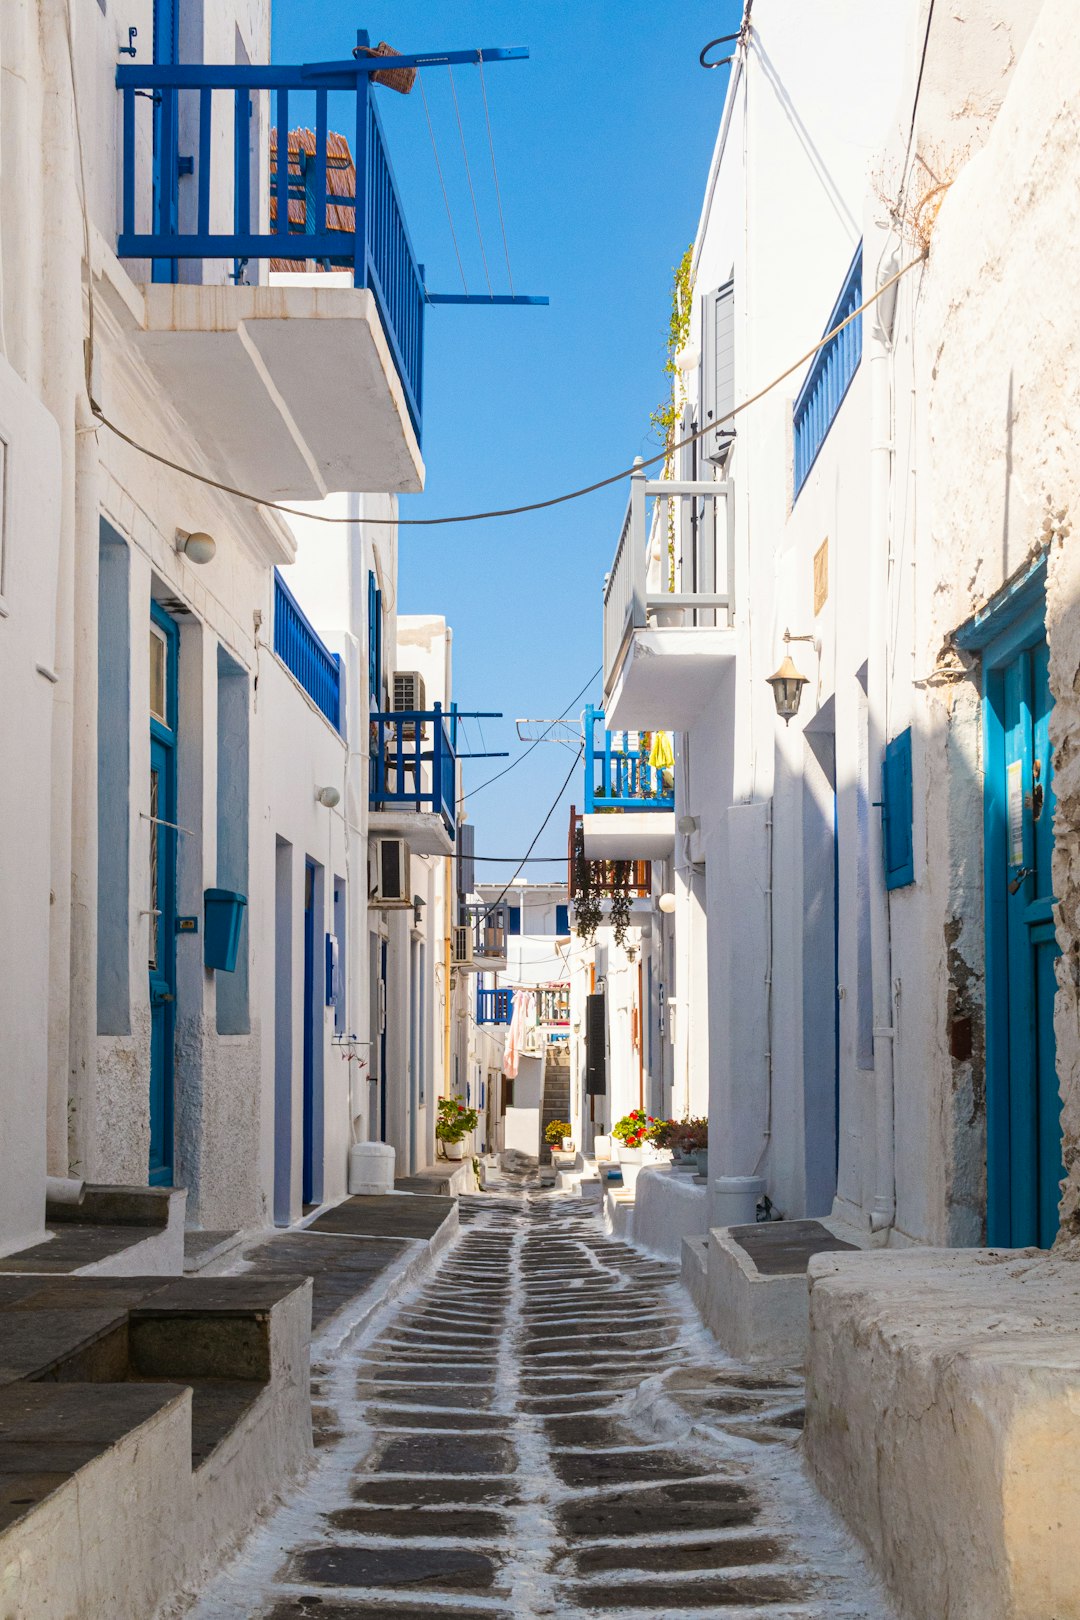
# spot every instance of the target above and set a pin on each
(161, 955)
(1024, 1164)
(312, 1152)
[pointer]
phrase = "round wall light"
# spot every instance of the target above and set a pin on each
(328, 796)
(666, 903)
(198, 547)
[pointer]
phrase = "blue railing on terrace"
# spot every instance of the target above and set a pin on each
(618, 775)
(829, 378)
(171, 200)
(414, 764)
(494, 1006)
(298, 646)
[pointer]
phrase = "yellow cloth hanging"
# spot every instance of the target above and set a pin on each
(661, 755)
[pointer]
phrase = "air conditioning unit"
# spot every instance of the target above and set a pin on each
(391, 886)
(462, 946)
(408, 695)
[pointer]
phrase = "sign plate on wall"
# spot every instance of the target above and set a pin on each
(1014, 781)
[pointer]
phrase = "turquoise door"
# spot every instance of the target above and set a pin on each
(1024, 1166)
(162, 919)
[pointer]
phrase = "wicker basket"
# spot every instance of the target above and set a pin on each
(400, 79)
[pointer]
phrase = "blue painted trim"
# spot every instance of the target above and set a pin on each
(494, 1006)
(162, 985)
(1014, 607)
(897, 812)
(829, 378)
(413, 763)
(617, 776)
(307, 658)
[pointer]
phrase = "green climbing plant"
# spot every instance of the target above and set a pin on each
(666, 416)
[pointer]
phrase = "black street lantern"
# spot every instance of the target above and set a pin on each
(787, 685)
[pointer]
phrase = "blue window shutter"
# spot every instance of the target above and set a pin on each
(514, 925)
(897, 812)
(562, 919)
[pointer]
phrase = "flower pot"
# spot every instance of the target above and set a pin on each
(628, 1155)
(666, 618)
(701, 1159)
(454, 1150)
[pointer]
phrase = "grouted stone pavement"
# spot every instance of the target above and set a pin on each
(542, 1427)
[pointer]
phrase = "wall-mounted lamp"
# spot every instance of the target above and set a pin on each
(328, 796)
(787, 682)
(687, 825)
(198, 547)
(666, 903)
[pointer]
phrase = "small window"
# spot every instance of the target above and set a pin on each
(159, 664)
(514, 919)
(562, 919)
(897, 812)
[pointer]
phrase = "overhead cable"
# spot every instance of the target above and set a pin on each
(442, 183)
(495, 174)
(529, 506)
(537, 741)
(554, 806)
(468, 176)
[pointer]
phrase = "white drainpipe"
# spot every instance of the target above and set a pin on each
(883, 1213)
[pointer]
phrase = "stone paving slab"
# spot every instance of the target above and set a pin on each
(390, 1215)
(531, 1464)
(340, 1271)
(442, 1569)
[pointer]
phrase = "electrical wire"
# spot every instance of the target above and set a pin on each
(494, 171)
(554, 806)
(915, 109)
(468, 176)
(442, 183)
(530, 506)
(515, 762)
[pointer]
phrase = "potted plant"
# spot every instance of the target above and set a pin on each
(453, 1125)
(694, 1140)
(557, 1136)
(631, 1133)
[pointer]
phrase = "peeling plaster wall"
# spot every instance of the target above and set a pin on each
(994, 329)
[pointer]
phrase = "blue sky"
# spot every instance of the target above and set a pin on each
(602, 140)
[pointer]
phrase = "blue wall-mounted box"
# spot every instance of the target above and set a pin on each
(224, 912)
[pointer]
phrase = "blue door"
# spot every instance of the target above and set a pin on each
(166, 155)
(162, 919)
(1024, 1163)
(308, 1192)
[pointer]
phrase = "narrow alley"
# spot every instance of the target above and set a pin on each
(542, 1427)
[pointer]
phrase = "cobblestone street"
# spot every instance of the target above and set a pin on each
(543, 1428)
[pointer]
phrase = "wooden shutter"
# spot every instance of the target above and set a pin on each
(897, 812)
(466, 866)
(718, 369)
(595, 1045)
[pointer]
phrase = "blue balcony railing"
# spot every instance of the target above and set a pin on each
(171, 200)
(298, 646)
(494, 1006)
(829, 378)
(414, 764)
(618, 775)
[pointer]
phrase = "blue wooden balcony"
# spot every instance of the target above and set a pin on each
(190, 183)
(303, 653)
(414, 765)
(494, 1006)
(618, 775)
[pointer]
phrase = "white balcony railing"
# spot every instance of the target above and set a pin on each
(673, 566)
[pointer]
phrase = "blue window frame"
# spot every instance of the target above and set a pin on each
(562, 919)
(513, 914)
(374, 627)
(829, 378)
(897, 812)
